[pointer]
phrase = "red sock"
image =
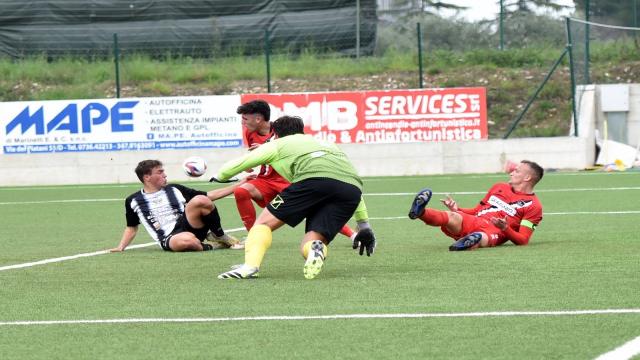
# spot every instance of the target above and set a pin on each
(346, 231)
(245, 207)
(435, 217)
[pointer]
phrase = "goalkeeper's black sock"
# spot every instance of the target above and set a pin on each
(212, 221)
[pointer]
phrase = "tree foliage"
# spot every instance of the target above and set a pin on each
(425, 6)
(528, 6)
(612, 12)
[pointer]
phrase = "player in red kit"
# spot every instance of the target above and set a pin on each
(265, 185)
(508, 212)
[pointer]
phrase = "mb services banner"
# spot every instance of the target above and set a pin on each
(395, 116)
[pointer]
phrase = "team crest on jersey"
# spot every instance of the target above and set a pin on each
(276, 202)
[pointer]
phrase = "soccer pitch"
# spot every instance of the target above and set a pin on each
(573, 293)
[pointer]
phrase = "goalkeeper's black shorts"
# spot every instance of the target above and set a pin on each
(327, 204)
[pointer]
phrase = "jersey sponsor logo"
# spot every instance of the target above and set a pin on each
(276, 202)
(498, 205)
(502, 206)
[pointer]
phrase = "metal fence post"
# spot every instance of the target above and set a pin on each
(267, 51)
(535, 95)
(116, 60)
(587, 57)
(572, 76)
(358, 29)
(501, 24)
(420, 55)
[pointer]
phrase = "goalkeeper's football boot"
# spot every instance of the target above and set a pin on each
(419, 203)
(241, 272)
(315, 260)
(469, 242)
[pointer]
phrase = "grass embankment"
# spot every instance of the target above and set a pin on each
(511, 77)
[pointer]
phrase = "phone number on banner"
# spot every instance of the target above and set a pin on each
(119, 146)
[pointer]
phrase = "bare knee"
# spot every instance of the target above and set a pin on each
(185, 242)
(201, 201)
(454, 225)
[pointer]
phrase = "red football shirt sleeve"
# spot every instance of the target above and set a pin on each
(471, 211)
(528, 223)
(520, 237)
(245, 136)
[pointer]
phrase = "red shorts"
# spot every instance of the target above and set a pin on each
(472, 223)
(269, 188)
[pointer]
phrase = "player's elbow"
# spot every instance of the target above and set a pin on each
(521, 242)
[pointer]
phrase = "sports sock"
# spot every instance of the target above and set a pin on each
(245, 207)
(212, 222)
(307, 248)
(206, 247)
(435, 217)
(258, 241)
(346, 231)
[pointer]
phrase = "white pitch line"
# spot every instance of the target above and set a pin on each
(101, 252)
(324, 317)
(366, 179)
(623, 352)
(71, 257)
(70, 201)
(545, 214)
(484, 192)
(78, 256)
(57, 201)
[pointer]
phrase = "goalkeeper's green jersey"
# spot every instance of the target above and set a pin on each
(297, 157)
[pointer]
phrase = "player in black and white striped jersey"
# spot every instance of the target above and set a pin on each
(176, 216)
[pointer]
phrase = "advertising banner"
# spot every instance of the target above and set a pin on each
(394, 116)
(120, 124)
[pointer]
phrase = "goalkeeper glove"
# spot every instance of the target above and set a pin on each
(216, 180)
(366, 240)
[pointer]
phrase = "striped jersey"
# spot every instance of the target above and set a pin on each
(158, 211)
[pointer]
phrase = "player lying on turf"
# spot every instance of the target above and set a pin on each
(325, 190)
(508, 212)
(177, 217)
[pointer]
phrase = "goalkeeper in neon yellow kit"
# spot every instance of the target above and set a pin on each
(325, 190)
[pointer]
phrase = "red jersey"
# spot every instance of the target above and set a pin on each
(502, 201)
(254, 137)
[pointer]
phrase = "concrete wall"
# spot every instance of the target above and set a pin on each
(371, 160)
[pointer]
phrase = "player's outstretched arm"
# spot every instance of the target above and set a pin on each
(216, 194)
(127, 237)
(365, 239)
(520, 237)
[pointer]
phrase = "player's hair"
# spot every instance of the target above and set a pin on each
(538, 171)
(288, 125)
(145, 167)
(255, 107)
